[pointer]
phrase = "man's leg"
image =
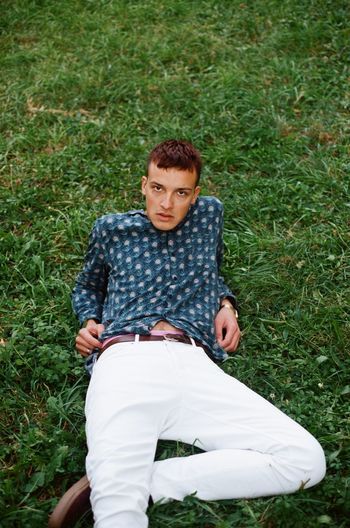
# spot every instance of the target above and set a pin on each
(253, 449)
(130, 397)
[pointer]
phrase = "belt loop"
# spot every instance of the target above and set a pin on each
(137, 338)
(193, 343)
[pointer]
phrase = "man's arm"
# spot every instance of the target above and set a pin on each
(89, 294)
(227, 331)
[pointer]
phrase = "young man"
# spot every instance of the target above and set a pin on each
(158, 315)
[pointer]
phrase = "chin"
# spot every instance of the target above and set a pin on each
(164, 226)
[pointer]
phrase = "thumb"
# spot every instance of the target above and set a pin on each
(100, 329)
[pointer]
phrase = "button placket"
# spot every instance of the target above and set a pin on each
(171, 290)
(173, 260)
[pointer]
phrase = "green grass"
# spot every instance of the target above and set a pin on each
(262, 89)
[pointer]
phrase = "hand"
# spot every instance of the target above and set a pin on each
(86, 339)
(225, 321)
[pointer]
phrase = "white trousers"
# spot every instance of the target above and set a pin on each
(142, 392)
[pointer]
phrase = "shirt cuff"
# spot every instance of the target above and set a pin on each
(231, 299)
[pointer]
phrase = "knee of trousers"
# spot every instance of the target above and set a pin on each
(128, 484)
(308, 462)
(317, 461)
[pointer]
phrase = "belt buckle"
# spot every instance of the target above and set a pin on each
(170, 337)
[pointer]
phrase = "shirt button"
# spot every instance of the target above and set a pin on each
(174, 277)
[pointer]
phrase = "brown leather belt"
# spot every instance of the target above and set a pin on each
(128, 338)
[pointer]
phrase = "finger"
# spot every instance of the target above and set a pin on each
(83, 347)
(229, 343)
(226, 341)
(94, 328)
(85, 337)
(219, 332)
(86, 346)
(92, 331)
(232, 347)
(85, 352)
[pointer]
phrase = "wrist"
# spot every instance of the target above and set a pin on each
(228, 306)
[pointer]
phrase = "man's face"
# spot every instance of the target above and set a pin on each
(169, 195)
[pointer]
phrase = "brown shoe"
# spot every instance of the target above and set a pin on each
(72, 506)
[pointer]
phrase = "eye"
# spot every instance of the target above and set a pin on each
(182, 193)
(157, 188)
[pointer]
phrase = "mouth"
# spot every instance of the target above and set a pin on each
(164, 217)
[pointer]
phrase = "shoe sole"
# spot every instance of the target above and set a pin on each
(72, 506)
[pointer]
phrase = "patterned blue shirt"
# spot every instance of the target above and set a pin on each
(136, 275)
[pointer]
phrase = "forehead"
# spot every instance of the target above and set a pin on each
(172, 178)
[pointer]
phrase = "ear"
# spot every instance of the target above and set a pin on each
(144, 180)
(196, 192)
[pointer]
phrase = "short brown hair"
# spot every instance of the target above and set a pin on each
(178, 154)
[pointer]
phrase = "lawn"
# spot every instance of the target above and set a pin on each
(262, 89)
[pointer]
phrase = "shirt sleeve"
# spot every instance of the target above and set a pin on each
(224, 290)
(91, 284)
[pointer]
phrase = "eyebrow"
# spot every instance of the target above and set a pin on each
(179, 189)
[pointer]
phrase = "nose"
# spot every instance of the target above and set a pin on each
(167, 202)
